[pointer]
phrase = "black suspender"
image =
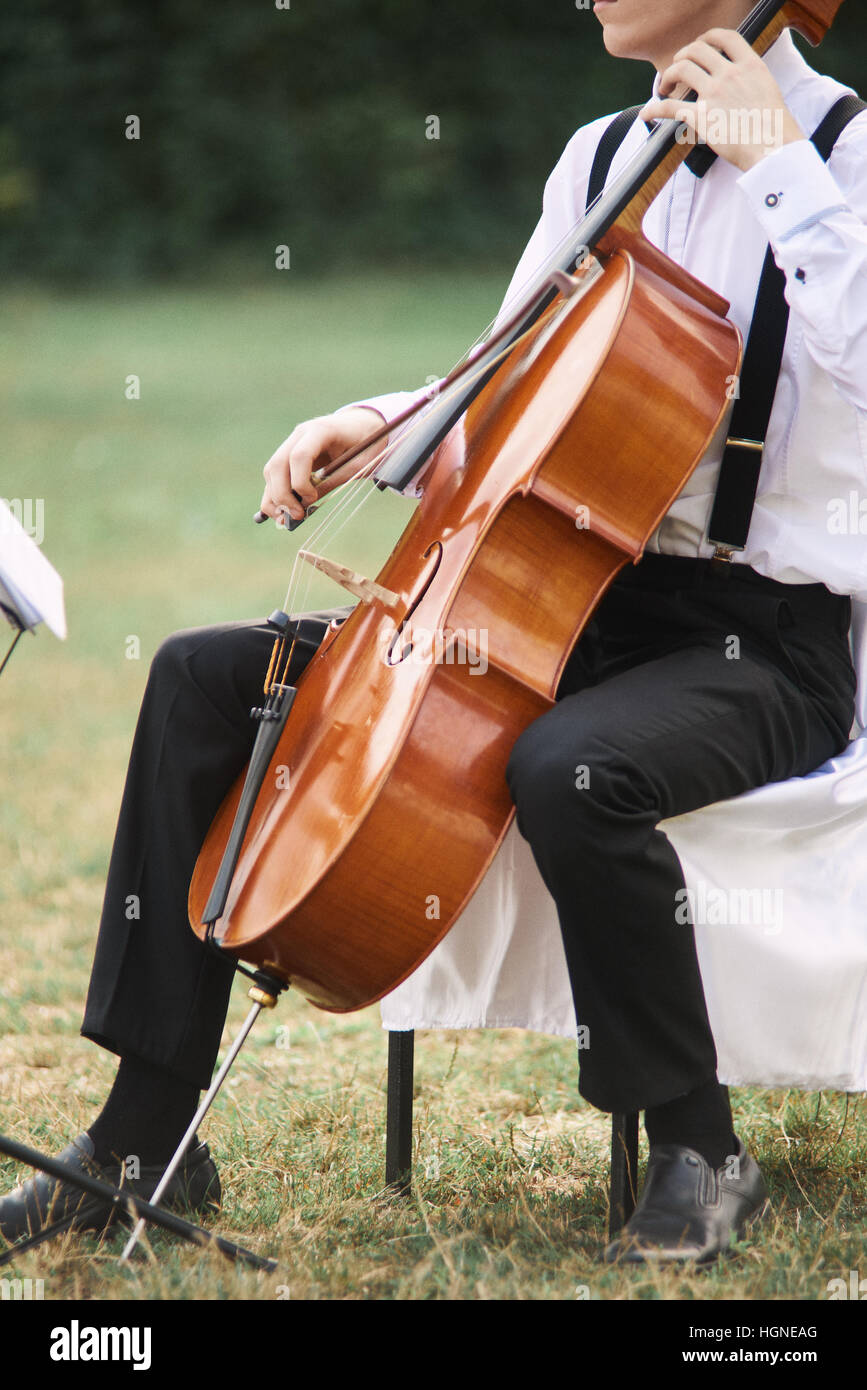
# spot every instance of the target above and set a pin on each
(739, 472)
(612, 138)
(742, 460)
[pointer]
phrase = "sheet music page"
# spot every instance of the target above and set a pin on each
(29, 585)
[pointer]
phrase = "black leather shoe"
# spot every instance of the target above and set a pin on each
(688, 1210)
(43, 1200)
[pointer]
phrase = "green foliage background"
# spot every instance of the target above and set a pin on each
(302, 126)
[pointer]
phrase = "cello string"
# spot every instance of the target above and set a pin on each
(298, 593)
(361, 476)
(415, 423)
(339, 517)
(762, 14)
(762, 11)
(533, 281)
(299, 589)
(364, 490)
(333, 521)
(344, 493)
(345, 511)
(759, 18)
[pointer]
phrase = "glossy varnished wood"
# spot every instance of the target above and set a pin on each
(396, 800)
(355, 865)
(812, 18)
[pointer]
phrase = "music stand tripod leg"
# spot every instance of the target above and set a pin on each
(125, 1201)
(56, 1228)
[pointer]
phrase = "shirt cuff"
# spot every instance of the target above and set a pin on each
(791, 190)
(389, 406)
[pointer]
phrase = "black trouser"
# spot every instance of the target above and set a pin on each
(155, 991)
(692, 684)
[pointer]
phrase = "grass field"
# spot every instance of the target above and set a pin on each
(146, 513)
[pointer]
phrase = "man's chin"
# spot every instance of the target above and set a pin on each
(616, 41)
(616, 44)
(619, 46)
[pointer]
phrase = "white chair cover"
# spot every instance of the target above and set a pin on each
(786, 985)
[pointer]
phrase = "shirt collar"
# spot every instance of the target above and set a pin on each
(785, 62)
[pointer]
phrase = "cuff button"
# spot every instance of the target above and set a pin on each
(772, 200)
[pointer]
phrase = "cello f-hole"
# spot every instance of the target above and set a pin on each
(397, 649)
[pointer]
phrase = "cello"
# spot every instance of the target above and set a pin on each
(378, 799)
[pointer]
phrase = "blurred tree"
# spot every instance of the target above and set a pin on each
(305, 126)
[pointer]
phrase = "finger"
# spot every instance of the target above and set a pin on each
(285, 500)
(276, 465)
(274, 506)
(287, 472)
(730, 43)
(292, 439)
(662, 109)
(279, 492)
(315, 448)
(279, 512)
(267, 507)
(297, 433)
(673, 110)
(685, 72)
(711, 59)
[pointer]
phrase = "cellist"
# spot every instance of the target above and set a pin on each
(652, 705)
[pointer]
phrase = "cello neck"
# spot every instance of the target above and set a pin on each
(625, 203)
(622, 205)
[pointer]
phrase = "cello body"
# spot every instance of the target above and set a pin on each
(359, 858)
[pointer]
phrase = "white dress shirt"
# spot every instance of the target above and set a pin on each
(810, 518)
